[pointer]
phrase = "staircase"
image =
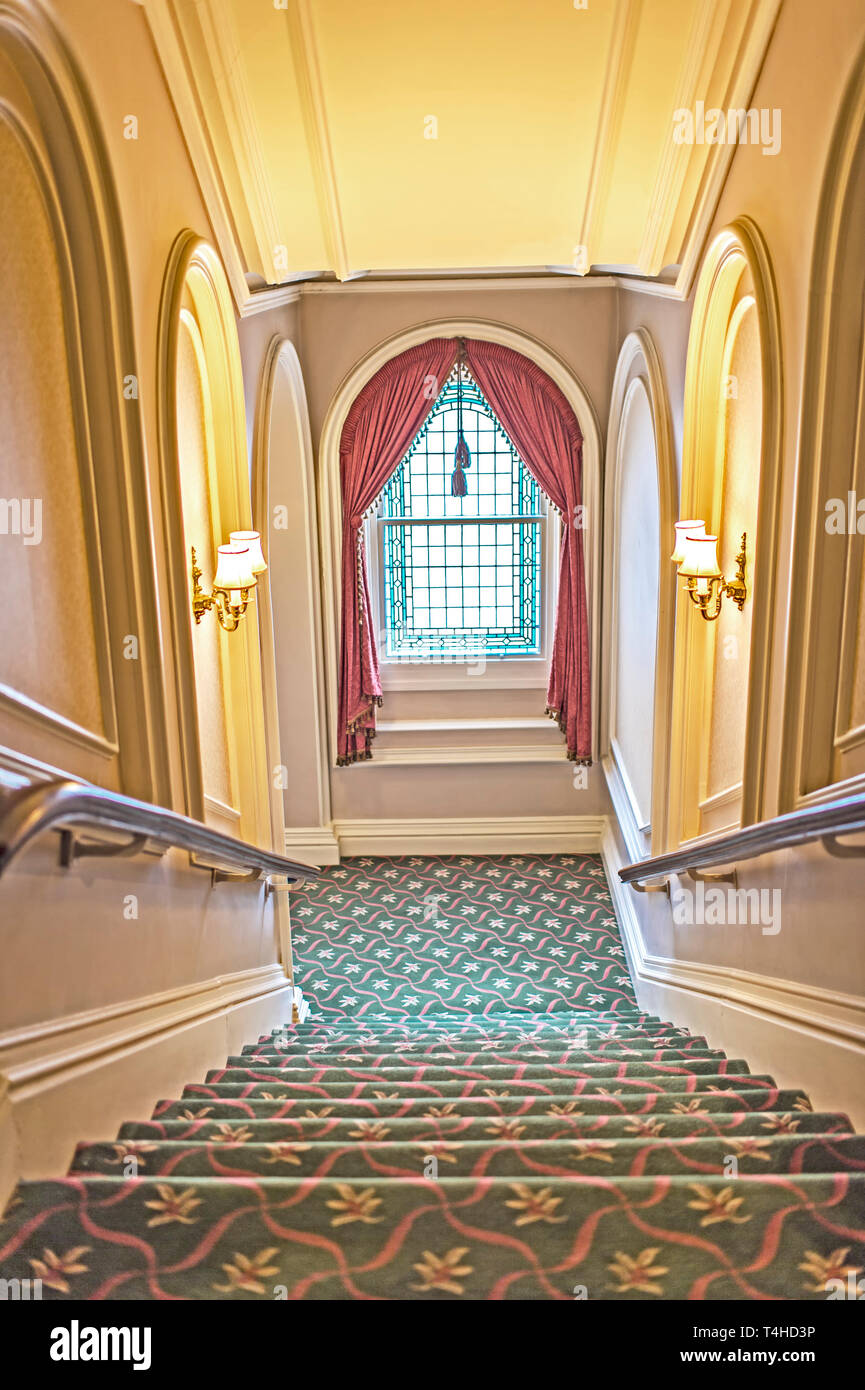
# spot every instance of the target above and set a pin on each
(507, 1156)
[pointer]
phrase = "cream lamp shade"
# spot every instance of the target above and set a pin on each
(701, 561)
(233, 570)
(252, 540)
(683, 530)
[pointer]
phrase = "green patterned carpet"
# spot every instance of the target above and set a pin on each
(403, 937)
(499, 1122)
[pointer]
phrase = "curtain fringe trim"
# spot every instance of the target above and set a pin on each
(573, 756)
(353, 724)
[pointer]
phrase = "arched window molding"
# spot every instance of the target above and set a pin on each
(824, 743)
(196, 301)
(44, 101)
(638, 370)
(736, 269)
(330, 515)
(289, 606)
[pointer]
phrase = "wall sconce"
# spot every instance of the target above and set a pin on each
(237, 567)
(696, 556)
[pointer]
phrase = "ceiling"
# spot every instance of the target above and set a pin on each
(397, 137)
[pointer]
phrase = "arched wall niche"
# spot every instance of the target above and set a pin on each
(330, 514)
(206, 495)
(733, 404)
(824, 726)
(82, 450)
(639, 510)
(285, 512)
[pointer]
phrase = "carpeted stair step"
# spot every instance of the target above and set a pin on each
(660, 1049)
(333, 1128)
(479, 1023)
(772, 1236)
(487, 1024)
(767, 1097)
(438, 1153)
(502, 1156)
(425, 1037)
(542, 1042)
(467, 1090)
(714, 1064)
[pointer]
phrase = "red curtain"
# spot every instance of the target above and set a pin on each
(380, 426)
(543, 428)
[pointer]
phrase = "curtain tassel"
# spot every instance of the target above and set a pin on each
(462, 459)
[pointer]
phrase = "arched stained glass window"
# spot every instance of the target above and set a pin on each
(461, 575)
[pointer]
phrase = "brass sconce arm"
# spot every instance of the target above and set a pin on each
(228, 614)
(709, 598)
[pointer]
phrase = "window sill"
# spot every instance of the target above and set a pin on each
(427, 726)
(539, 742)
(529, 673)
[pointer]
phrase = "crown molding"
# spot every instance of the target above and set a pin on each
(431, 282)
(621, 53)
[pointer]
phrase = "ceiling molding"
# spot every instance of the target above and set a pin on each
(662, 289)
(223, 51)
(260, 301)
(304, 48)
(708, 23)
(178, 67)
(620, 58)
(471, 282)
(756, 35)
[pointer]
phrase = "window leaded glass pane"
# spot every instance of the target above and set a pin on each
(461, 574)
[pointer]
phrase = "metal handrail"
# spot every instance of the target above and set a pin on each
(69, 805)
(840, 817)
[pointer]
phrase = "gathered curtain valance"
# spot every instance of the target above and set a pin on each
(384, 419)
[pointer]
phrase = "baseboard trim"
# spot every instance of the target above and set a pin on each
(315, 843)
(27, 1055)
(81, 1076)
(477, 835)
(803, 1034)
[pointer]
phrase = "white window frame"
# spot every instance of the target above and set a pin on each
(498, 672)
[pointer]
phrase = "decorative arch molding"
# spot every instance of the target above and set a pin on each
(45, 102)
(822, 639)
(196, 297)
(289, 605)
(737, 265)
(639, 370)
(329, 483)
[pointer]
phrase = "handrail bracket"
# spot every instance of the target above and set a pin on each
(653, 887)
(731, 877)
(71, 848)
(832, 845)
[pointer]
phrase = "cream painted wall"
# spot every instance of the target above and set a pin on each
(47, 573)
(120, 979)
(731, 634)
(815, 1029)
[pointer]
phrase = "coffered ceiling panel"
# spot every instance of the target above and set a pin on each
(344, 139)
